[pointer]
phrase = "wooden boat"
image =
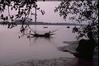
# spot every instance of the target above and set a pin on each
(45, 35)
(45, 27)
(68, 27)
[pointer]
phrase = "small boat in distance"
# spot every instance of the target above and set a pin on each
(45, 27)
(68, 27)
(45, 35)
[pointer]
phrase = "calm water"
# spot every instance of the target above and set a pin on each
(13, 49)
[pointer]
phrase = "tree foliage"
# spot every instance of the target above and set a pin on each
(23, 9)
(81, 11)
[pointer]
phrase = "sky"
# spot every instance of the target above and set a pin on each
(50, 15)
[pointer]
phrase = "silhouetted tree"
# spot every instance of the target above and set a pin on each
(23, 10)
(81, 11)
(23, 7)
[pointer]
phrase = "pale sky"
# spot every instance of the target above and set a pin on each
(50, 15)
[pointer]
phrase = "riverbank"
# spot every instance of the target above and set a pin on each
(62, 61)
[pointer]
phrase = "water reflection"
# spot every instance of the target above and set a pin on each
(13, 49)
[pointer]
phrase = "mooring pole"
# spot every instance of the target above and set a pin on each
(35, 13)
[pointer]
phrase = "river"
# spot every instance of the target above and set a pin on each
(13, 49)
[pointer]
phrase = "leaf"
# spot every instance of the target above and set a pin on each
(2, 16)
(43, 12)
(6, 18)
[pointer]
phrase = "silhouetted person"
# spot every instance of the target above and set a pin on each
(85, 48)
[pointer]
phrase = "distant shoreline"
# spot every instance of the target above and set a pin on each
(42, 23)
